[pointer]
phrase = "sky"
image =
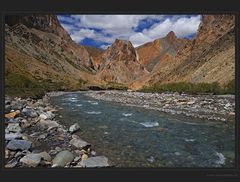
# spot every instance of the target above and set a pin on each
(101, 30)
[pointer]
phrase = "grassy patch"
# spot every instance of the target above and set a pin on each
(25, 85)
(192, 88)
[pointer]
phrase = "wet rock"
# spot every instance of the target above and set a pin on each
(30, 112)
(31, 160)
(160, 129)
(62, 159)
(14, 127)
(74, 128)
(79, 143)
(19, 145)
(95, 162)
(11, 136)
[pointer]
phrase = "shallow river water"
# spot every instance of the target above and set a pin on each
(137, 137)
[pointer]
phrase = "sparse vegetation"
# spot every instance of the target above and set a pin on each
(24, 85)
(115, 86)
(192, 88)
(81, 82)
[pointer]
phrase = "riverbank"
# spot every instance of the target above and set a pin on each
(209, 107)
(34, 138)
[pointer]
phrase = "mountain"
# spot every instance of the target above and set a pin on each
(151, 53)
(208, 58)
(40, 55)
(38, 49)
(95, 54)
(120, 63)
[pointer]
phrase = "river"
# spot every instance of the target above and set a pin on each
(135, 137)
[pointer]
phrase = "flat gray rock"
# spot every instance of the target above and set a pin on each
(62, 158)
(19, 145)
(31, 160)
(95, 162)
(79, 143)
(11, 136)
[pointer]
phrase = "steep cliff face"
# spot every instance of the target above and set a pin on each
(37, 46)
(210, 57)
(150, 54)
(45, 23)
(96, 56)
(120, 63)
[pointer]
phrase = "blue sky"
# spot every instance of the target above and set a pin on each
(101, 30)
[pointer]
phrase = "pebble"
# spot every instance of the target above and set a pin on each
(84, 157)
(74, 128)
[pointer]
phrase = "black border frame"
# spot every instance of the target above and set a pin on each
(84, 8)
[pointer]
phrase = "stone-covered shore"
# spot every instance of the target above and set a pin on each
(34, 138)
(205, 107)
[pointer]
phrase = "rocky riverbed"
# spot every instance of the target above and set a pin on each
(210, 107)
(34, 138)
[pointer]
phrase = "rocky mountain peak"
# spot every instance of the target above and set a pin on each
(170, 37)
(121, 50)
(45, 23)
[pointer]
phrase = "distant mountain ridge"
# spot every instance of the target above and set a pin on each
(37, 46)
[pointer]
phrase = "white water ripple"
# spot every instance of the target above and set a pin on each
(221, 160)
(93, 112)
(150, 124)
(127, 114)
